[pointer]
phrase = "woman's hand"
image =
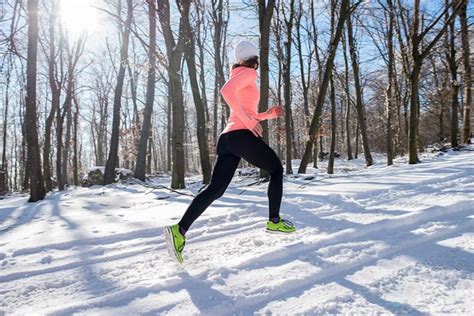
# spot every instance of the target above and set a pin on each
(271, 113)
(257, 130)
(274, 111)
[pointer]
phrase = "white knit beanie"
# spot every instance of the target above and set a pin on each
(245, 50)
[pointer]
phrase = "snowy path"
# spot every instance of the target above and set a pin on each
(383, 240)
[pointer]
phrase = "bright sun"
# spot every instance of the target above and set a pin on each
(78, 16)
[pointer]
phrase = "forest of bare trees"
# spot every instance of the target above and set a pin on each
(135, 84)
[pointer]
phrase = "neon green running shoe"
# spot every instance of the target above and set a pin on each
(174, 242)
(283, 226)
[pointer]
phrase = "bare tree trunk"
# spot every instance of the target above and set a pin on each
(102, 136)
(169, 155)
(24, 174)
(200, 112)
(62, 162)
(418, 56)
(4, 167)
(358, 89)
(75, 158)
(67, 139)
(287, 84)
(320, 70)
(175, 53)
(59, 148)
(215, 110)
(150, 95)
(218, 41)
(200, 44)
(277, 33)
(149, 154)
(390, 86)
(112, 160)
(304, 81)
(332, 149)
(453, 69)
(356, 155)
(323, 85)
(55, 98)
(265, 13)
(466, 53)
(133, 78)
(348, 101)
(37, 190)
(332, 98)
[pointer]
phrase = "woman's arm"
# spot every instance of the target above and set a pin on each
(228, 91)
(271, 113)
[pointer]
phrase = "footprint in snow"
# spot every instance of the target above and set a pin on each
(2, 255)
(47, 259)
(257, 242)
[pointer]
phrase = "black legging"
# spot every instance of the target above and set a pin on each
(231, 147)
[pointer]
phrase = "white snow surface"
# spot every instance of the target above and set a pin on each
(395, 240)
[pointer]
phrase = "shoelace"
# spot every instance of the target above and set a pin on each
(287, 223)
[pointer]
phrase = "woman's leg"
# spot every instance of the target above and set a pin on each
(222, 174)
(243, 143)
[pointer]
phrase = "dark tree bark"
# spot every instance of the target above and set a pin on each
(332, 98)
(201, 36)
(75, 141)
(67, 139)
(150, 95)
(169, 140)
(189, 52)
(319, 63)
(265, 13)
(358, 89)
(99, 125)
(305, 82)
(24, 174)
(332, 147)
(391, 85)
(175, 53)
(287, 84)
(323, 85)
(37, 190)
(62, 158)
(277, 33)
(112, 161)
(453, 69)
(418, 54)
(4, 167)
(466, 53)
(55, 86)
(218, 39)
(348, 101)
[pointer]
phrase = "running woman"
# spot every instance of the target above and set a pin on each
(241, 138)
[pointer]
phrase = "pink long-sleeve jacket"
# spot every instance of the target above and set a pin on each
(242, 95)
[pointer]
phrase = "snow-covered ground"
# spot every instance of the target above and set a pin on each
(378, 240)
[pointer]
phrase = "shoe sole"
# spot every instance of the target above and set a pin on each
(279, 232)
(170, 243)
